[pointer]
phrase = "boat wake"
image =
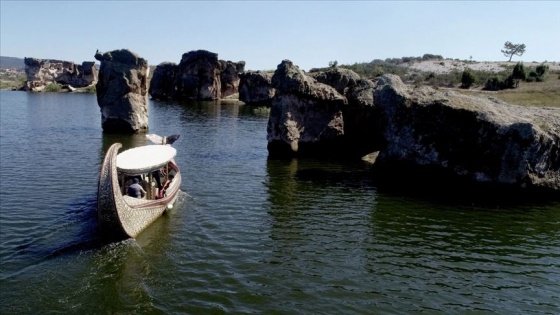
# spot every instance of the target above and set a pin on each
(72, 232)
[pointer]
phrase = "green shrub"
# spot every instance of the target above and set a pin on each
(467, 79)
(532, 77)
(518, 73)
(541, 70)
(431, 57)
(53, 87)
(497, 83)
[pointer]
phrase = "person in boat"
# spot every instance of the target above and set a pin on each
(135, 190)
(161, 193)
(157, 176)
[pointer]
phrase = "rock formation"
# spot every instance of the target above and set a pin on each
(481, 139)
(255, 88)
(360, 116)
(41, 73)
(199, 76)
(477, 139)
(229, 77)
(305, 115)
(162, 85)
(122, 92)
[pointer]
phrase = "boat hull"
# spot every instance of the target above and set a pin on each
(121, 217)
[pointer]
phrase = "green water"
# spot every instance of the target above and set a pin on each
(250, 235)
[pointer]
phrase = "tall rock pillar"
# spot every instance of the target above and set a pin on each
(122, 91)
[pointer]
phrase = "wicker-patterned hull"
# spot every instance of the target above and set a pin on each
(121, 217)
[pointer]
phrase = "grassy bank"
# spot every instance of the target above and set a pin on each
(538, 94)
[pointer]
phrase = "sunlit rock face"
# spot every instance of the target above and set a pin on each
(305, 116)
(42, 72)
(361, 134)
(199, 76)
(122, 92)
(230, 77)
(481, 139)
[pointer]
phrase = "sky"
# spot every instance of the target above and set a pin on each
(263, 33)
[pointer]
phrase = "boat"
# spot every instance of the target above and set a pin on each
(122, 216)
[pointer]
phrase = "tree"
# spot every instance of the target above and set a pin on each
(513, 49)
(467, 79)
(518, 73)
(333, 64)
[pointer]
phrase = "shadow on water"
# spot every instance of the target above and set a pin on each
(438, 187)
(127, 141)
(425, 185)
(74, 231)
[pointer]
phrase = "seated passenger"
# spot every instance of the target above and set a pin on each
(135, 190)
(165, 186)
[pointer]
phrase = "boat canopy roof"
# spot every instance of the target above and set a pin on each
(145, 159)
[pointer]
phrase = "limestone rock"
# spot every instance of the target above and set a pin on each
(255, 88)
(162, 85)
(361, 115)
(122, 91)
(198, 76)
(305, 116)
(481, 139)
(41, 73)
(229, 77)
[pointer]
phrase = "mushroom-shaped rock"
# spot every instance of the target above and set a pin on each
(122, 91)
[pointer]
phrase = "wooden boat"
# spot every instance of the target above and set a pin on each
(122, 216)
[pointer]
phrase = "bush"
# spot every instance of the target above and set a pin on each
(432, 57)
(541, 70)
(467, 79)
(53, 87)
(497, 83)
(518, 73)
(539, 74)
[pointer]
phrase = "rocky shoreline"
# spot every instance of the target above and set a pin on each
(335, 113)
(478, 139)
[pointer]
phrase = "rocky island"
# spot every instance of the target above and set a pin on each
(42, 72)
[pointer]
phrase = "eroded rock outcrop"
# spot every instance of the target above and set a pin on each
(360, 116)
(255, 88)
(199, 76)
(162, 85)
(472, 138)
(481, 139)
(122, 91)
(229, 77)
(305, 116)
(42, 72)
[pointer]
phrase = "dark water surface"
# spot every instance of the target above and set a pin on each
(249, 235)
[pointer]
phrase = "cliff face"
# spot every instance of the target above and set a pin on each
(255, 88)
(41, 73)
(199, 76)
(122, 92)
(478, 139)
(305, 115)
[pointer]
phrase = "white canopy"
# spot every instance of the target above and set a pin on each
(144, 159)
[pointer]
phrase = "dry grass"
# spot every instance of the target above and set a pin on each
(538, 94)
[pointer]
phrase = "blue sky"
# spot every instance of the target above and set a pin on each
(263, 33)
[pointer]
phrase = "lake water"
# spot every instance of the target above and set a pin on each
(249, 234)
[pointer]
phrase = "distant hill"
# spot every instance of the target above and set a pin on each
(11, 62)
